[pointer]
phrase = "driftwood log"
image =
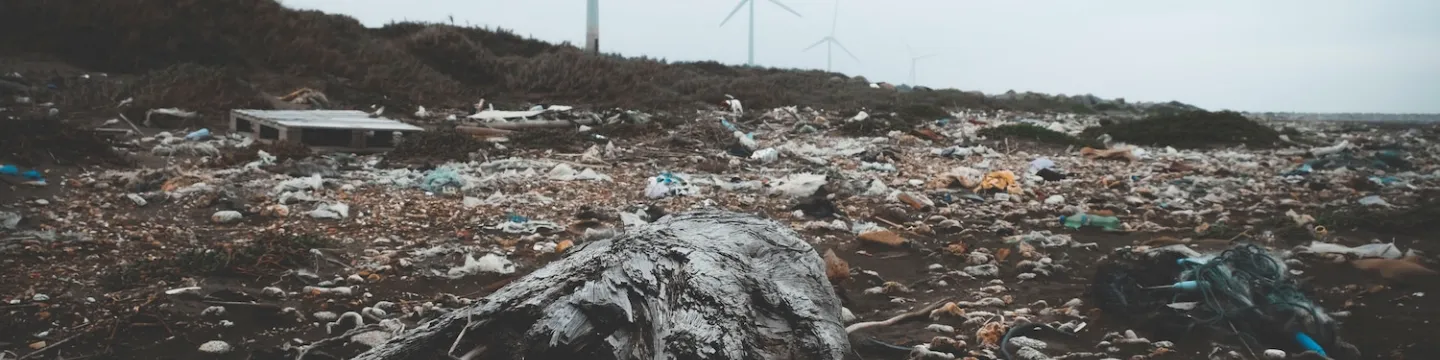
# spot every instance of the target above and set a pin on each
(710, 285)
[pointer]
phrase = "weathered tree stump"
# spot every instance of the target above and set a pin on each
(708, 285)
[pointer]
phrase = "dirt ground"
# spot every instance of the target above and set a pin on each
(88, 294)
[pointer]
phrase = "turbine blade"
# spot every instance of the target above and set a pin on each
(835, 20)
(817, 43)
(733, 12)
(842, 48)
(787, 8)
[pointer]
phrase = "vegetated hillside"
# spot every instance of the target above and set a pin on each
(214, 54)
(1191, 129)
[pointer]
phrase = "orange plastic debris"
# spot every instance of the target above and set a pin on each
(882, 237)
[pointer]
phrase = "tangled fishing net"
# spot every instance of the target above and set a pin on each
(1243, 294)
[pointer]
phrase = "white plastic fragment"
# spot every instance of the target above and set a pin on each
(335, 211)
(215, 347)
(766, 155)
(225, 217)
(1380, 250)
(488, 263)
(137, 199)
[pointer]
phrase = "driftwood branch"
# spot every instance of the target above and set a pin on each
(917, 314)
(536, 124)
(691, 286)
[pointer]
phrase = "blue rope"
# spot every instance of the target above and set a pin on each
(1245, 285)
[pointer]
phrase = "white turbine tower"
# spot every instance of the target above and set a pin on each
(751, 60)
(592, 26)
(913, 60)
(831, 42)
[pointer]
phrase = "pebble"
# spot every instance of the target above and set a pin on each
(335, 291)
(948, 224)
(1028, 353)
(40, 297)
(213, 311)
(986, 270)
(978, 258)
(371, 338)
(224, 217)
(941, 328)
(1274, 354)
(137, 199)
(216, 347)
(272, 291)
(375, 313)
(1021, 341)
(325, 316)
(42, 202)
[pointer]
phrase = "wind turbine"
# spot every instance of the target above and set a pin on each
(915, 59)
(831, 42)
(751, 60)
(592, 26)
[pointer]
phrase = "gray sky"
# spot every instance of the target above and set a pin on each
(1254, 55)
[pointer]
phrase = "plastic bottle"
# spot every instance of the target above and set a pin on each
(1109, 223)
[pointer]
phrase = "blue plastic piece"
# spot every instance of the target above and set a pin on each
(198, 135)
(1308, 343)
(728, 125)
(33, 175)
(1186, 285)
(1190, 260)
(8, 169)
(517, 218)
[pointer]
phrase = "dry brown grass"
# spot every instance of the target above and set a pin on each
(216, 54)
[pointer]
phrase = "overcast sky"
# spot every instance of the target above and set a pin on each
(1254, 55)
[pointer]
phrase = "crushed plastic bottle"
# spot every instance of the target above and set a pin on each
(198, 135)
(1081, 219)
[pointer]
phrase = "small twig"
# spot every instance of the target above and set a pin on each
(1237, 236)
(919, 313)
(237, 303)
(888, 222)
(495, 286)
(304, 350)
(132, 125)
(1243, 342)
(52, 346)
(469, 320)
(473, 353)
